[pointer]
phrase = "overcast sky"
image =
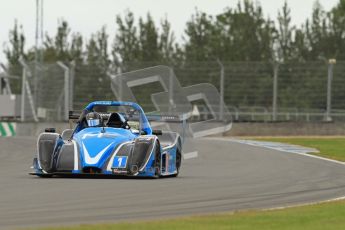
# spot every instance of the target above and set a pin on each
(88, 16)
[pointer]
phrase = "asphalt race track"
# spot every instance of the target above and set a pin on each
(226, 176)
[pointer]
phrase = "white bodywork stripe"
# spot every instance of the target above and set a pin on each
(94, 160)
(76, 160)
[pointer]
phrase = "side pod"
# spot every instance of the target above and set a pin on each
(65, 159)
(46, 145)
(142, 151)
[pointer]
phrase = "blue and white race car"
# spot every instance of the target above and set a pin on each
(110, 138)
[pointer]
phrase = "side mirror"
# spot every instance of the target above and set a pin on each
(157, 132)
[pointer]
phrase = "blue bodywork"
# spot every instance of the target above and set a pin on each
(91, 141)
(108, 150)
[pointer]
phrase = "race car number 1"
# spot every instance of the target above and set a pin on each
(120, 162)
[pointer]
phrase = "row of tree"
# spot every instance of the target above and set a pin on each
(237, 34)
(242, 33)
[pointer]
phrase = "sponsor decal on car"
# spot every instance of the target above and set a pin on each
(120, 162)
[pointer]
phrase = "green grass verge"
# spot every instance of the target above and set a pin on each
(333, 148)
(314, 217)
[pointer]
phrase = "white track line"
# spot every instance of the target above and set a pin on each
(190, 155)
(305, 204)
(254, 143)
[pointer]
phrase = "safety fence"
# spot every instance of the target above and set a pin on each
(252, 91)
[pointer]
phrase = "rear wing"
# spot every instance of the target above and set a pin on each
(163, 118)
(75, 115)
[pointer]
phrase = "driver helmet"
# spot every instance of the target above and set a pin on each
(93, 119)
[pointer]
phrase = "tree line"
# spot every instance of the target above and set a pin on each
(242, 33)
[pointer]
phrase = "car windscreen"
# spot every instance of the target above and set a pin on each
(131, 114)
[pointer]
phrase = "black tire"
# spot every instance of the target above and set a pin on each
(45, 175)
